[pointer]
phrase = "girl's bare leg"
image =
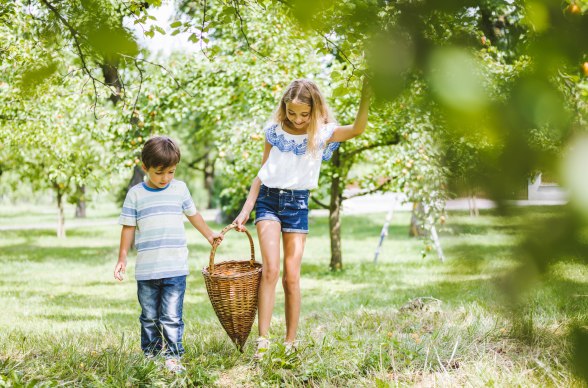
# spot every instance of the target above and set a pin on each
(269, 240)
(293, 249)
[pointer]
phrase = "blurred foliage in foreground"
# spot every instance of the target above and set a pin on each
(483, 94)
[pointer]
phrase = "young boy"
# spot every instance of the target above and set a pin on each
(152, 214)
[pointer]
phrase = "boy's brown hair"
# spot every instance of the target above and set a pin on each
(160, 151)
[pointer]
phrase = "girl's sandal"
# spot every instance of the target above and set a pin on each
(262, 346)
(290, 347)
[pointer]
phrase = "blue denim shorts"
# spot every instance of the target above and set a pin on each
(288, 207)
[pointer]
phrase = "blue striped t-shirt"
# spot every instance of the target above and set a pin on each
(160, 239)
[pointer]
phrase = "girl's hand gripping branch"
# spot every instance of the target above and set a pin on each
(346, 132)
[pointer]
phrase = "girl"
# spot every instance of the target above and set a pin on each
(302, 135)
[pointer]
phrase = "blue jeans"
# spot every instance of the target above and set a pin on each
(162, 303)
(288, 207)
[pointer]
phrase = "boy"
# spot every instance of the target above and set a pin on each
(152, 214)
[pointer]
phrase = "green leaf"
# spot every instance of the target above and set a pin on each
(340, 91)
(193, 38)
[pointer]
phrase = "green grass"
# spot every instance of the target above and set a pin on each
(65, 321)
(34, 214)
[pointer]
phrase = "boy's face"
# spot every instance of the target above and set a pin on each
(159, 177)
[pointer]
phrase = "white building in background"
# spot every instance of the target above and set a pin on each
(545, 191)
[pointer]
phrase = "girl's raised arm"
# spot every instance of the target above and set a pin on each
(346, 132)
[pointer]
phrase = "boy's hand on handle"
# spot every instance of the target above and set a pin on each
(215, 238)
(120, 270)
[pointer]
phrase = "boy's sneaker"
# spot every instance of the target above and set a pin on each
(174, 365)
(262, 346)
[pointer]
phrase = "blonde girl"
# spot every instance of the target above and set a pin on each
(302, 135)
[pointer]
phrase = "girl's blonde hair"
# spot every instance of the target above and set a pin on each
(304, 91)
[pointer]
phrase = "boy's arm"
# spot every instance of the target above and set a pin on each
(198, 222)
(126, 238)
(347, 132)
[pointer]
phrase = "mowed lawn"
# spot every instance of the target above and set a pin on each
(409, 320)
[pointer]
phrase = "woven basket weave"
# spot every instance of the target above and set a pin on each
(233, 289)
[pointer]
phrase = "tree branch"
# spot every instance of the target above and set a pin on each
(343, 55)
(372, 146)
(324, 206)
(74, 34)
(131, 13)
(202, 31)
(194, 162)
(238, 13)
(70, 73)
(180, 86)
(138, 92)
(374, 190)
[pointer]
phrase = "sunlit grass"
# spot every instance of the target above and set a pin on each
(408, 320)
(36, 214)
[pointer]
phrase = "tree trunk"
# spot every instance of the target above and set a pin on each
(81, 203)
(111, 78)
(137, 177)
(473, 204)
(335, 218)
(416, 224)
(60, 215)
(209, 180)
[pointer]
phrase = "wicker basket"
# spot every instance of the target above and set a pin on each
(233, 288)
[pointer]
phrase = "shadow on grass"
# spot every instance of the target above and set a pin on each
(395, 295)
(74, 232)
(94, 301)
(461, 284)
(473, 229)
(39, 254)
(68, 317)
(472, 259)
(358, 228)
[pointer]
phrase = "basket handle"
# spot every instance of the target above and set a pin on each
(216, 243)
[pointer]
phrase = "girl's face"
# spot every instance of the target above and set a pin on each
(159, 177)
(298, 114)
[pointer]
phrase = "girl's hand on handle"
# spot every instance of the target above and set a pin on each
(241, 220)
(120, 270)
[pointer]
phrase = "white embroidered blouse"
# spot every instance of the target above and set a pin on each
(289, 165)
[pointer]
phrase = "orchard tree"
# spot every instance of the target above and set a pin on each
(232, 85)
(239, 102)
(520, 121)
(449, 46)
(58, 148)
(46, 42)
